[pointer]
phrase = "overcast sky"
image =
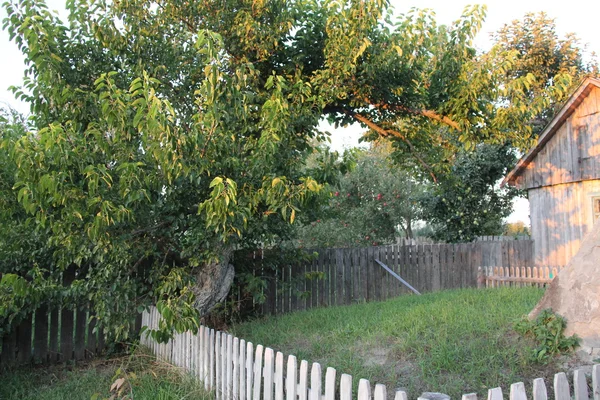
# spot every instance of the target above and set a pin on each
(577, 16)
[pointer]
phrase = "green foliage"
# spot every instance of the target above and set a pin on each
(372, 203)
(466, 202)
(547, 330)
(164, 134)
(516, 229)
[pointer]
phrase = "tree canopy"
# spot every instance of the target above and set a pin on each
(164, 134)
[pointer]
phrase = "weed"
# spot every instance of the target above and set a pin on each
(548, 332)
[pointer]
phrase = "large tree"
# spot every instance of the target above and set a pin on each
(165, 133)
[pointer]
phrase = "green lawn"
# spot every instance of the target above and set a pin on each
(456, 342)
(146, 379)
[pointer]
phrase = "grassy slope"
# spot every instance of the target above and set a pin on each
(146, 380)
(454, 341)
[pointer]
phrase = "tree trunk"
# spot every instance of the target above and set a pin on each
(575, 294)
(213, 282)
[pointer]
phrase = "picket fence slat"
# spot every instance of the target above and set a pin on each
(315, 382)
(380, 392)
(364, 390)
(279, 376)
(596, 382)
(303, 383)
(580, 386)
(236, 368)
(539, 389)
(346, 387)
(517, 391)
(469, 396)
(561, 387)
(268, 374)
(495, 394)
(258, 372)
(330, 384)
(291, 378)
(401, 395)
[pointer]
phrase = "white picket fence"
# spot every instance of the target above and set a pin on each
(237, 370)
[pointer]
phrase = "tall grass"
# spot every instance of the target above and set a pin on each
(456, 342)
(144, 378)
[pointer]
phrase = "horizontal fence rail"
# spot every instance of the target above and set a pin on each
(238, 370)
(515, 276)
(350, 275)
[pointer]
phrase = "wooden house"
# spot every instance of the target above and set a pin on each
(562, 177)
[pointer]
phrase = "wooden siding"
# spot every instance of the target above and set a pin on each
(573, 153)
(561, 215)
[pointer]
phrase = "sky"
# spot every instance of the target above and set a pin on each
(577, 16)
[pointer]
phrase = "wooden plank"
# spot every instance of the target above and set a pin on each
(315, 382)
(331, 275)
(356, 295)
(53, 344)
(364, 275)
(40, 343)
(364, 390)
(66, 335)
(324, 282)
(242, 370)
(218, 374)
(257, 384)
(291, 379)
(561, 387)
(223, 350)
(278, 376)
(469, 396)
(9, 349)
(330, 384)
(80, 328)
(396, 267)
(596, 382)
(346, 387)
(495, 394)
(435, 268)
(24, 333)
(339, 277)
(370, 274)
(249, 370)
(380, 392)
(229, 367)
(235, 389)
(303, 381)
(580, 385)
(517, 391)
(348, 276)
(539, 389)
(401, 395)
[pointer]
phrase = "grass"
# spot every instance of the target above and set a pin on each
(144, 378)
(456, 342)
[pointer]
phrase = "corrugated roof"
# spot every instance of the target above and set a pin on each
(565, 112)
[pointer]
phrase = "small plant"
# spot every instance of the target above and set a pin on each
(548, 332)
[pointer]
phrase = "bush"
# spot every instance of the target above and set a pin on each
(548, 332)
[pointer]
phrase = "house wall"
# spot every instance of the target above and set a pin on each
(573, 153)
(561, 215)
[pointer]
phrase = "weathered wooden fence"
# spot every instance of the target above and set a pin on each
(51, 336)
(518, 276)
(237, 370)
(348, 275)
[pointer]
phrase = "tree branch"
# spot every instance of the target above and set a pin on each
(386, 132)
